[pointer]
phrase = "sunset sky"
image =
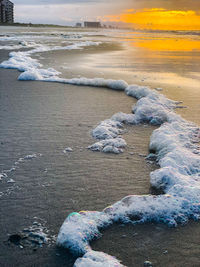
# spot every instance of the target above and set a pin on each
(140, 14)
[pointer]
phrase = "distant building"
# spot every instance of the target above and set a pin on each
(79, 25)
(90, 24)
(6, 11)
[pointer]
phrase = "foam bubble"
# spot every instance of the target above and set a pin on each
(111, 145)
(3, 175)
(67, 149)
(22, 44)
(22, 61)
(97, 259)
(79, 228)
(175, 146)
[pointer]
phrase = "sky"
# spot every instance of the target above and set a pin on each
(139, 14)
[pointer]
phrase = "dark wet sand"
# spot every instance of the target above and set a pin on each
(159, 244)
(45, 118)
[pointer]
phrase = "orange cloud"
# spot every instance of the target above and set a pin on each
(159, 19)
(169, 44)
(129, 10)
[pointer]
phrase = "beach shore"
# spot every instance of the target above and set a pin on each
(43, 119)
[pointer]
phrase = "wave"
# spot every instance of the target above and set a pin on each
(50, 35)
(21, 45)
(31, 68)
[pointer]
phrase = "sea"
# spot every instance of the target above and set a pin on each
(100, 147)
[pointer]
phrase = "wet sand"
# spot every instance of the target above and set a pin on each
(45, 118)
(181, 84)
(159, 244)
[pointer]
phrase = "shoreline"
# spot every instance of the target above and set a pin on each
(73, 195)
(18, 24)
(91, 90)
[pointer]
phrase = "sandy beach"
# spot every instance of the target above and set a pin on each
(55, 184)
(45, 182)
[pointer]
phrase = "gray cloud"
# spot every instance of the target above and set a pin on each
(170, 4)
(57, 2)
(70, 11)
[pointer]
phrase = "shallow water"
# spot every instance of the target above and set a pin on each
(45, 118)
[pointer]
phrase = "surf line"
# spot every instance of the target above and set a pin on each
(175, 144)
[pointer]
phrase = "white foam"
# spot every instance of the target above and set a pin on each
(31, 68)
(10, 181)
(74, 46)
(67, 149)
(37, 234)
(124, 118)
(108, 132)
(79, 228)
(139, 92)
(31, 156)
(20, 45)
(112, 149)
(107, 129)
(3, 175)
(45, 36)
(97, 259)
(96, 82)
(175, 144)
(38, 74)
(111, 145)
(151, 108)
(72, 36)
(30, 37)
(20, 61)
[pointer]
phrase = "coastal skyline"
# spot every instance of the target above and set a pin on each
(153, 14)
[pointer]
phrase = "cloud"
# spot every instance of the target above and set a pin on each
(53, 2)
(71, 11)
(65, 14)
(158, 19)
(128, 4)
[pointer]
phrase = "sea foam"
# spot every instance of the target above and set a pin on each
(175, 145)
(108, 133)
(151, 108)
(97, 259)
(31, 68)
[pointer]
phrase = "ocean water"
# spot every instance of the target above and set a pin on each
(43, 181)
